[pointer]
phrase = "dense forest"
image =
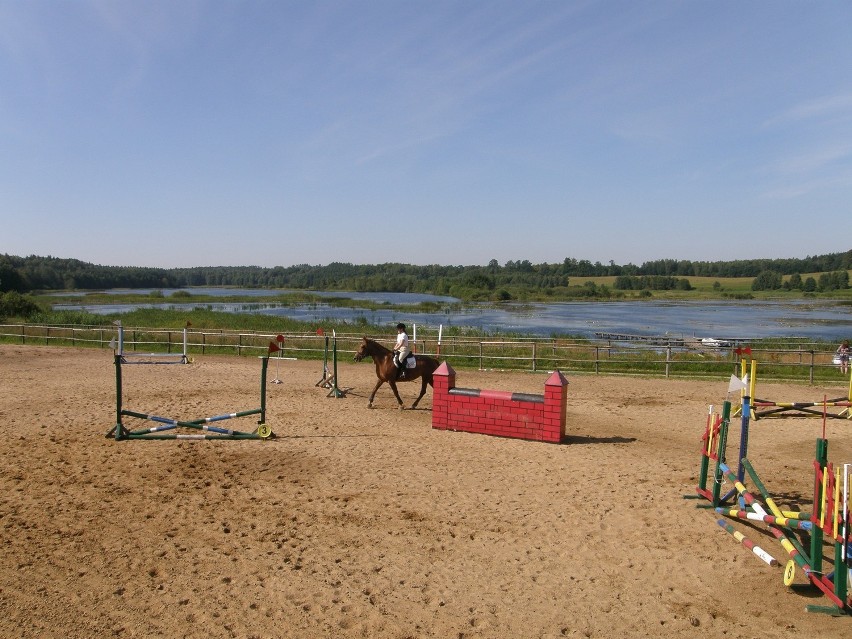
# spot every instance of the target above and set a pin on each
(496, 281)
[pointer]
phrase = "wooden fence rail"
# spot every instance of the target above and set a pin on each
(806, 362)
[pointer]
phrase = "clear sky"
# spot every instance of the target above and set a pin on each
(175, 133)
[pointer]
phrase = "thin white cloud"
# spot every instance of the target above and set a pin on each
(816, 159)
(828, 106)
(800, 188)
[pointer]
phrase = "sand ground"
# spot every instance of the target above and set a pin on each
(367, 523)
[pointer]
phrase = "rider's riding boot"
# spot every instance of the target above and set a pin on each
(400, 372)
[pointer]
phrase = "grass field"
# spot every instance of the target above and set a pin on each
(722, 287)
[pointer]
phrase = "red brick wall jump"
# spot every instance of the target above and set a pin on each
(500, 413)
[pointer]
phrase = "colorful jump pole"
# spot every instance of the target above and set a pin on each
(335, 391)
(748, 543)
(811, 566)
(264, 364)
(795, 524)
(152, 358)
(720, 456)
(121, 432)
(820, 463)
(118, 429)
(744, 424)
(763, 408)
(706, 452)
(186, 339)
(329, 379)
(325, 380)
(280, 340)
(828, 522)
(848, 410)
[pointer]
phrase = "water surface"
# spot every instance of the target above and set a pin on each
(719, 319)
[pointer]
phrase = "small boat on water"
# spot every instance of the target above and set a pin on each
(712, 342)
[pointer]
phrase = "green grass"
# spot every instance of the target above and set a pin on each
(706, 288)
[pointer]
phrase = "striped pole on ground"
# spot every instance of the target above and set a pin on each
(748, 543)
(767, 519)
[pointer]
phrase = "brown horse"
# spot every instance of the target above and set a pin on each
(386, 369)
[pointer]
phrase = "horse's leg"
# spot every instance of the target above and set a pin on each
(422, 393)
(381, 381)
(392, 384)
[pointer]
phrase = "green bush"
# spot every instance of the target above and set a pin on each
(13, 304)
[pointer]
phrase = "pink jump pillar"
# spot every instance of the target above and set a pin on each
(501, 413)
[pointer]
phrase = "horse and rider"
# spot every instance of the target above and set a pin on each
(401, 351)
(391, 365)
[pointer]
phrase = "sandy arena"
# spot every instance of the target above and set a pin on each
(368, 523)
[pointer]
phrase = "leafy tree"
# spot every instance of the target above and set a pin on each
(518, 277)
(840, 280)
(624, 283)
(766, 281)
(10, 278)
(652, 282)
(478, 280)
(833, 281)
(794, 282)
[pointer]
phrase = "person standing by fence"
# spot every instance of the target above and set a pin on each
(843, 354)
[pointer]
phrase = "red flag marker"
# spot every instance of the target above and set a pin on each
(273, 347)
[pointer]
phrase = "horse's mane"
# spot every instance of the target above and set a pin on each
(372, 341)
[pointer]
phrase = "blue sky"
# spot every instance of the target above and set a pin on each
(181, 133)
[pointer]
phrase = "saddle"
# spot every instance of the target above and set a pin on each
(409, 362)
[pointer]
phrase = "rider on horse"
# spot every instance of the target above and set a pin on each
(400, 350)
(421, 366)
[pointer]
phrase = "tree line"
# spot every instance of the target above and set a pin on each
(773, 281)
(494, 281)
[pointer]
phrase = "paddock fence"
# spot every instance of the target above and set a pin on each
(682, 357)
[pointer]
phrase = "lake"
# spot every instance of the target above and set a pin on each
(213, 291)
(719, 319)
